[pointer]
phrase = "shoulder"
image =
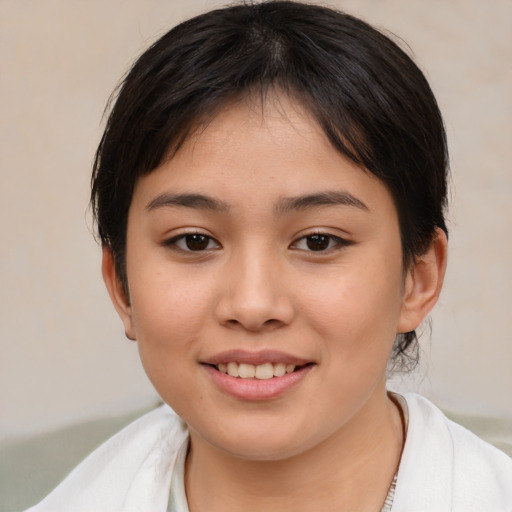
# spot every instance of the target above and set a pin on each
(446, 467)
(133, 467)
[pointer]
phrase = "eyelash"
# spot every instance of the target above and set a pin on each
(173, 243)
(318, 238)
(333, 242)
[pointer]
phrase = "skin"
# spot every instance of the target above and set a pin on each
(333, 440)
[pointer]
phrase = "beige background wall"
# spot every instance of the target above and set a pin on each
(63, 355)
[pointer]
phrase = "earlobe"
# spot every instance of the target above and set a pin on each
(117, 293)
(423, 284)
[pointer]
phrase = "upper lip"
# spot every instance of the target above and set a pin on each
(243, 356)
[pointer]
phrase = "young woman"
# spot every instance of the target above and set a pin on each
(270, 193)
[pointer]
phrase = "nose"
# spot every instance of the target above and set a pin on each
(254, 294)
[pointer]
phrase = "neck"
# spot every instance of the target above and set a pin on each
(351, 470)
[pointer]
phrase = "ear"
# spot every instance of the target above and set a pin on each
(116, 291)
(423, 284)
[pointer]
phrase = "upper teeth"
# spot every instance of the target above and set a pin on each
(250, 371)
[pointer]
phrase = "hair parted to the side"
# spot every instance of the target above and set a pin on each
(367, 95)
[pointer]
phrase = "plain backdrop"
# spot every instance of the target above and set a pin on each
(63, 354)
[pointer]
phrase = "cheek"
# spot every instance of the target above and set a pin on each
(168, 298)
(169, 314)
(167, 331)
(357, 306)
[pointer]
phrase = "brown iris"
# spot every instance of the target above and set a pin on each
(318, 242)
(197, 242)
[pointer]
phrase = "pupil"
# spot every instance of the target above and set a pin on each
(196, 242)
(317, 242)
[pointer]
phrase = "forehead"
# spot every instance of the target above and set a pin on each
(255, 153)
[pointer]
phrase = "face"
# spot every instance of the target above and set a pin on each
(266, 283)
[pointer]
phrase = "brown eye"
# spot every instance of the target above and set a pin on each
(318, 242)
(197, 242)
(192, 242)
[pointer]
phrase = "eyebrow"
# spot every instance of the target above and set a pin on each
(283, 206)
(328, 198)
(198, 201)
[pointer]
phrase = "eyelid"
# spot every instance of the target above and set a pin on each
(339, 242)
(172, 242)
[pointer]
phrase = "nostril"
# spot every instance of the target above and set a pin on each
(253, 313)
(271, 323)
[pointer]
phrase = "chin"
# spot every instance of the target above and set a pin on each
(262, 452)
(266, 443)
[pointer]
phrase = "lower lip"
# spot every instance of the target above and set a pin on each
(256, 389)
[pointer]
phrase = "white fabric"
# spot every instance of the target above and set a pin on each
(131, 472)
(444, 468)
(178, 496)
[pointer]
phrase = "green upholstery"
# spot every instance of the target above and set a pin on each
(31, 468)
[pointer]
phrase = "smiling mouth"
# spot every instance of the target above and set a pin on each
(263, 371)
